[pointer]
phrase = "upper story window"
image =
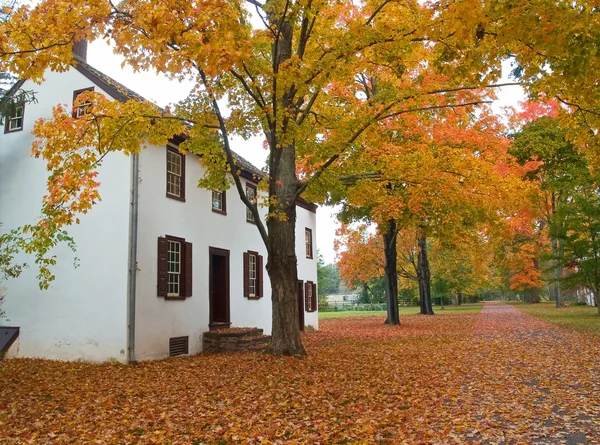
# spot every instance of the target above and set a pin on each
(251, 195)
(174, 267)
(308, 239)
(81, 108)
(14, 120)
(175, 174)
(219, 203)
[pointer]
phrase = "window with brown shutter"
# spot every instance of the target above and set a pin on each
(175, 174)
(308, 240)
(310, 296)
(253, 275)
(175, 269)
(81, 108)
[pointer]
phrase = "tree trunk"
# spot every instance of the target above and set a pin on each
(424, 278)
(534, 295)
(283, 273)
(534, 292)
(557, 272)
(459, 298)
(391, 273)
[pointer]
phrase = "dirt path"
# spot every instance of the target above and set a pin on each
(532, 380)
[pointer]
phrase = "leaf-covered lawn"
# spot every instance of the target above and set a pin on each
(500, 376)
(411, 310)
(579, 318)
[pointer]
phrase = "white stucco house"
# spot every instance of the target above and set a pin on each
(161, 260)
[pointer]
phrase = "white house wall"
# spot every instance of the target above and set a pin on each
(158, 319)
(83, 313)
(307, 267)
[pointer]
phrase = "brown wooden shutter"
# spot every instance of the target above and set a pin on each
(188, 270)
(161, 270)
(314, 297)
(182, 197)
(307, 285)
(259, 275)
(246, 274)
(224, 201)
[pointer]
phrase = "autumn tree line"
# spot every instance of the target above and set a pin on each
(380, 105)
(529, 226)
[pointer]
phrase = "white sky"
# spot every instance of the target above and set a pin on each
(162, 91)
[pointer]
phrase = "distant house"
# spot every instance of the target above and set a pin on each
(347, 298)
(161, 261)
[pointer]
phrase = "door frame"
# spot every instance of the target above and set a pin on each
(215, 251)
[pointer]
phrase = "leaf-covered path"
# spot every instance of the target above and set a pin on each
(495, 377)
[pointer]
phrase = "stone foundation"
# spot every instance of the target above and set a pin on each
(235, 340)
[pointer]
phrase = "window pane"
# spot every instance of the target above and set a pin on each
(250, 194)
(174, 268)
(15, 120)
(217, 200)
(174, 169)
(252, 274)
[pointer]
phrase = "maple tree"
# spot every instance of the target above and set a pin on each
(439, 176)
(558, 167)
(292, 79)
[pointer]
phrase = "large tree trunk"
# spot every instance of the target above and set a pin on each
(424, 278)
(283, 273)
(391, 273)
(459, 298)
(283, 186)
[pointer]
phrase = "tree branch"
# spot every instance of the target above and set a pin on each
(232, 165)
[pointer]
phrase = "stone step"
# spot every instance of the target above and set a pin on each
(235, 340)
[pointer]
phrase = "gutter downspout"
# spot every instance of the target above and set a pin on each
(133, 239)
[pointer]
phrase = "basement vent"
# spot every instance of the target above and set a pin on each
(178, 346)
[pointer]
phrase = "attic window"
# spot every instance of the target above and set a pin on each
(14, 120)
(251, 195)
(81, 109)
(175, 174)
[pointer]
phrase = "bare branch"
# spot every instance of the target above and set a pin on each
(232, 165)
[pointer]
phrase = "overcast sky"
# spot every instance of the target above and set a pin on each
(163, 91)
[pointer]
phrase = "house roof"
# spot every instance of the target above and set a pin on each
(120, 92)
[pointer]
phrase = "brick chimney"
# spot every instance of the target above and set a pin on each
(80, 50)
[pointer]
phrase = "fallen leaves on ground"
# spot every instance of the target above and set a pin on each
(495, 377)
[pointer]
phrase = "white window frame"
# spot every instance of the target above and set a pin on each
(173, 185)
(217, 198)
(16, 117)
(174, 273)
(251, 195)
(308, 242)
(252, 275)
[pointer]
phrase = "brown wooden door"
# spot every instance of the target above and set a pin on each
(219, 288)
(301, 304)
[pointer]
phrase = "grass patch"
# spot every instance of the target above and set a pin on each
(578, 318)
(452, 309)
